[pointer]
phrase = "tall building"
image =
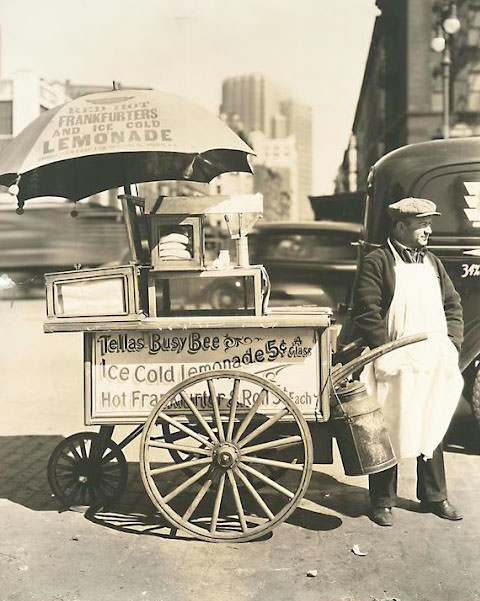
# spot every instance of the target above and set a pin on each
(299, 124)
(265, 106)
(400, 99)
(255, 98)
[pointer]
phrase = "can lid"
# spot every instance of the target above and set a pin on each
(351, 388)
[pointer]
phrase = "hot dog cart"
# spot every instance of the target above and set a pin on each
(223, 396)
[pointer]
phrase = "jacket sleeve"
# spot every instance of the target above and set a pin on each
(453, 309)
(367, 310)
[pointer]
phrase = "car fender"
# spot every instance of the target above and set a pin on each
(471, 344)
(318, 294)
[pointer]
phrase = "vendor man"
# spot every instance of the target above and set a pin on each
(403, 289)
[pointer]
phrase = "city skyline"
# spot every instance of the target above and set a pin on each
(189, 48)
(266, 106)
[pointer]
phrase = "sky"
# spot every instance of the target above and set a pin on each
(316, 47)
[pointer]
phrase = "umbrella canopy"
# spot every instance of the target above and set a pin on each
(105, 140)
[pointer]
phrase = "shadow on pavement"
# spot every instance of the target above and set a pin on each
(23, 480)
(134, 513)
(23, 473)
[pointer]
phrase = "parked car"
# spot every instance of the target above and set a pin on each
(309, 263)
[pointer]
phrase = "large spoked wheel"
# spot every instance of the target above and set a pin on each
(81, 473)
(215, 481)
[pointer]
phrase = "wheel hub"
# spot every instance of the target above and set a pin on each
(87, 471)
(226, 455)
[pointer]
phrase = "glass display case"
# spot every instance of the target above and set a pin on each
(108, 293)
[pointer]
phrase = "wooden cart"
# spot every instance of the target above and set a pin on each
(224, 403)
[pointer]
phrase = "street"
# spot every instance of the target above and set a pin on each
(128, 554)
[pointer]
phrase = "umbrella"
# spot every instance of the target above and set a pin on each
(105, 140)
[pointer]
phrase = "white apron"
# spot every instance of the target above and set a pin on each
(417, 386)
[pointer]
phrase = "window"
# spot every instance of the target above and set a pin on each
(312, 247)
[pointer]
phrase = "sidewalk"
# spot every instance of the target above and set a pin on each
(128, 554)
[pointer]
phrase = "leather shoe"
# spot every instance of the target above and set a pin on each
(444, 509)
(382, 516)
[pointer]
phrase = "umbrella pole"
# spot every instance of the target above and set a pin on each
(131, 223)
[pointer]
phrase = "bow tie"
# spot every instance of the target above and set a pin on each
(413, 255)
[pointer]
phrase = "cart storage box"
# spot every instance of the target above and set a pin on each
(236, 291)
(108, 293)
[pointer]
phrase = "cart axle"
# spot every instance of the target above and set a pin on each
(226, 455)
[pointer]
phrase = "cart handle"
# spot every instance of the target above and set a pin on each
(340, 372)
(348, 348)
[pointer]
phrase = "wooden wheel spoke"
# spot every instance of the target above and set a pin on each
(74, 451)
(272, 444)
(64, 468)
(66, 457)
(104, 490)
(179, 447)
(83, 449)
(216, 408)
(179, 466)
(198, 497)
(186, 429)
(111, 476)
(110, 467)
(248, 418)
(273, 463)
(263, 427)
(267, 480)
(198, 416)
(238, 501)
(249, 486)
(233, 408)
(176, 491)
(221, 453)
(110, 484)
(217, 503)
(66, 478)
(108, 457)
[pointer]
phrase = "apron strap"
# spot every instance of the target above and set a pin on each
(396, 256)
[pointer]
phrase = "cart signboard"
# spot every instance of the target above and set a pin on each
(128, 372)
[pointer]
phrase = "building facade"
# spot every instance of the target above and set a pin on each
(401, 98)
(22, 99)
(273, 121)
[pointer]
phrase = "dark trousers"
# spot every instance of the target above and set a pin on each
(431, 484)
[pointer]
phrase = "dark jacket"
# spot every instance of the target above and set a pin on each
(374, 292)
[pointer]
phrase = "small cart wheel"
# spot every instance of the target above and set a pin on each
(217, 483)
(80, 474)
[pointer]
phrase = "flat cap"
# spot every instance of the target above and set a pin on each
(412, 207)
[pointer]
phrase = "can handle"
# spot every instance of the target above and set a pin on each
(340, 373)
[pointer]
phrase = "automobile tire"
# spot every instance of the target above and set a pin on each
(223, 298)
(474, 396)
